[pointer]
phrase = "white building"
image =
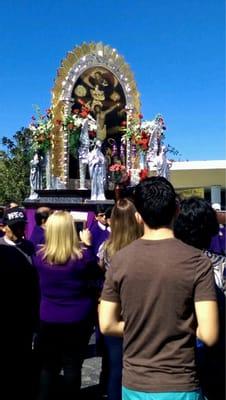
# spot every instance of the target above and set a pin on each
(201, 178)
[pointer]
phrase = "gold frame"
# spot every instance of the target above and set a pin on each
(76, 62)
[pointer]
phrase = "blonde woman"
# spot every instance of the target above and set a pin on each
(67, 308)
(124, 230)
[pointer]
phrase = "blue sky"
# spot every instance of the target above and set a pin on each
(176, 50)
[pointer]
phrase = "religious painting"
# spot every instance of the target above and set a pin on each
(100, 90)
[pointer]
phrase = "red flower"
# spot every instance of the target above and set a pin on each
(84, 113)
(140, 116)
(143, 174)
(92, 134)
(123, 123)
(143, 141)
(58, 122)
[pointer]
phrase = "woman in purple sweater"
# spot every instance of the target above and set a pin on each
(68, 304)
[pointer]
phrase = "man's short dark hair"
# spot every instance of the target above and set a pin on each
(100, 209)
(155, 200)
(41, 215)
(18, 229)
(196, 223)
(108, 212)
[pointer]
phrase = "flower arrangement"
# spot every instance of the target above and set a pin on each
(142, 141)
(72, 124)
(132, 128)
(138, 136)
(145, 143)
(118, 173)
(139, 131)
(41, 127)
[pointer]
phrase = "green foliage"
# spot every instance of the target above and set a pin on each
(72, 124)
(15, 167)
(73, 142)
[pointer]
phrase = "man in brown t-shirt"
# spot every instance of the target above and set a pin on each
(159, 294)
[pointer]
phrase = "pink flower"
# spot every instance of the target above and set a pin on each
(117, 167)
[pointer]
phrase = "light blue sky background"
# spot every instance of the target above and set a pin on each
(174, 48)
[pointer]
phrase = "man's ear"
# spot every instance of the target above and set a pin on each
(139, 218)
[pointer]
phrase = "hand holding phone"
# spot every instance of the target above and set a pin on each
(86, 237)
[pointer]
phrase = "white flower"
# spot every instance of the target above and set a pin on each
(32, 127)
(92, 125)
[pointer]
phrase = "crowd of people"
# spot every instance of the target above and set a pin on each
(146, 276)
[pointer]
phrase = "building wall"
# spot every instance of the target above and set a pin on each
(198, 178)
(206, 177)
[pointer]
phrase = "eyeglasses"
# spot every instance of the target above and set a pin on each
(101, 215)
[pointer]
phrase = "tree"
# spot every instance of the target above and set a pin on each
(15, 167)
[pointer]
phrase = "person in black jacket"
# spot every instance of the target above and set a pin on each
(19, 304)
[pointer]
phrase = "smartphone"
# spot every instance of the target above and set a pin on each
(79, 226)
(80, 220)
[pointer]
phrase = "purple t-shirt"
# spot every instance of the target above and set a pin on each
(38, 236)
(99, 235)
(66, 290)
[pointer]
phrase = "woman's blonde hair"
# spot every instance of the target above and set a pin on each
(61, 239)
(124, 226)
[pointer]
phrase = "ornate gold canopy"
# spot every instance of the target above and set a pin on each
(79, 60)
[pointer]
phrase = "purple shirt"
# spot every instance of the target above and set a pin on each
(218, 242)
(37, 236)
(99, 235)
(66, 295)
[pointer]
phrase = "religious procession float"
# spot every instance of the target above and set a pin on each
(93, 139)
